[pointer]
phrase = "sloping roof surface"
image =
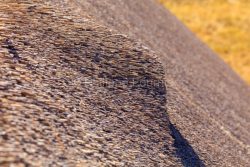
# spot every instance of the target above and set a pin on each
(122, 83)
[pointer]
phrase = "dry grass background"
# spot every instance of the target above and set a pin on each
(223, 24)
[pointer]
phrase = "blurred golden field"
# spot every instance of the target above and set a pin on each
(223, 24)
